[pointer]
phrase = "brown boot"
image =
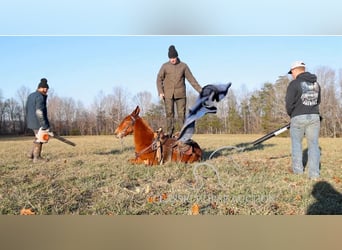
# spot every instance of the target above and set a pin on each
(37, 149)
(30, 153)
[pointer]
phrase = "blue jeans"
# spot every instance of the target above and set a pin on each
(308, 126)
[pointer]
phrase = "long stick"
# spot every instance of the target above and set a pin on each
(252, 144)
(62, 139)
(270, 135)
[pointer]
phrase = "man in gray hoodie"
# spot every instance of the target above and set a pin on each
(303, 97)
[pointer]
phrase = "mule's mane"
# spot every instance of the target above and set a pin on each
(144, 124)
(143, 133)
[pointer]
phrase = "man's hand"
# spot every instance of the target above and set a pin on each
(43, 135)
(161, 97)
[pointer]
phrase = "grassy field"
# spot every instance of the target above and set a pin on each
(95, 178)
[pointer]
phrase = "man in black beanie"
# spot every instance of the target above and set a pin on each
(171, 88)
(36, 113)
(43, 84)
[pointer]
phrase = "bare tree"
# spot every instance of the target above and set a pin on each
(23, 92)
(229, 114)
(329, 102)
(13, 111)
(110, 110)
(248, 112)
(243, 96)
(3, 114)
(55, 113)
(121, 105)
(279, 110)
(144, 100)
(2, 111)
(100, 112)
(191, 97)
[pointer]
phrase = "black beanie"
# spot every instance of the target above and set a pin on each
(43, 83)
(172, 52)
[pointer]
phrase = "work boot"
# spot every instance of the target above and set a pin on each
(30, 153)
(37, 149)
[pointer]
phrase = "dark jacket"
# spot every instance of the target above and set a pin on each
(303, 95)
(36, 111)
(171, 80)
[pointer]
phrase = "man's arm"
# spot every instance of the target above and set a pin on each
(41, 113)
(160, 80)
(192, 80)
(289, 99)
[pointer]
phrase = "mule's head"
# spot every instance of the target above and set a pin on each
(126, 127)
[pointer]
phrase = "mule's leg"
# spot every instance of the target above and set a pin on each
(137, 161)
(198, 153)
(133, 161)
(194, 157)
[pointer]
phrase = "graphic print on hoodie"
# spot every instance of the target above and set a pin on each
(310, 92)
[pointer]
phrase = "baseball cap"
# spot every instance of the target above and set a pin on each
(296, 64)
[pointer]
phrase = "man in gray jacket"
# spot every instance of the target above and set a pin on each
(171, 88)
(36, 112)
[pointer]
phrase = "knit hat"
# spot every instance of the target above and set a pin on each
(43, 83)
(172, 52)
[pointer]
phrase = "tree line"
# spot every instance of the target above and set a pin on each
(241, 112)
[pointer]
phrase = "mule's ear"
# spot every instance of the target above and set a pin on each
(136, 111)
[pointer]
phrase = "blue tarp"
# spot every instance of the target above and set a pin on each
(205, 104)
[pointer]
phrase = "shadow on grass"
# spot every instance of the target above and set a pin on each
(305, 157)
(234, 149)
(115, 151)
(328, 200)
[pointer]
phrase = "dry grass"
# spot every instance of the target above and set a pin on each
(95, 178)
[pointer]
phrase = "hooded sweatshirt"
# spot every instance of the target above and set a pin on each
(303, 95)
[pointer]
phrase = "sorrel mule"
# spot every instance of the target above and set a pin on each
(153, 148)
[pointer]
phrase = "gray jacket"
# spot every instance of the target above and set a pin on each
(36, 111)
